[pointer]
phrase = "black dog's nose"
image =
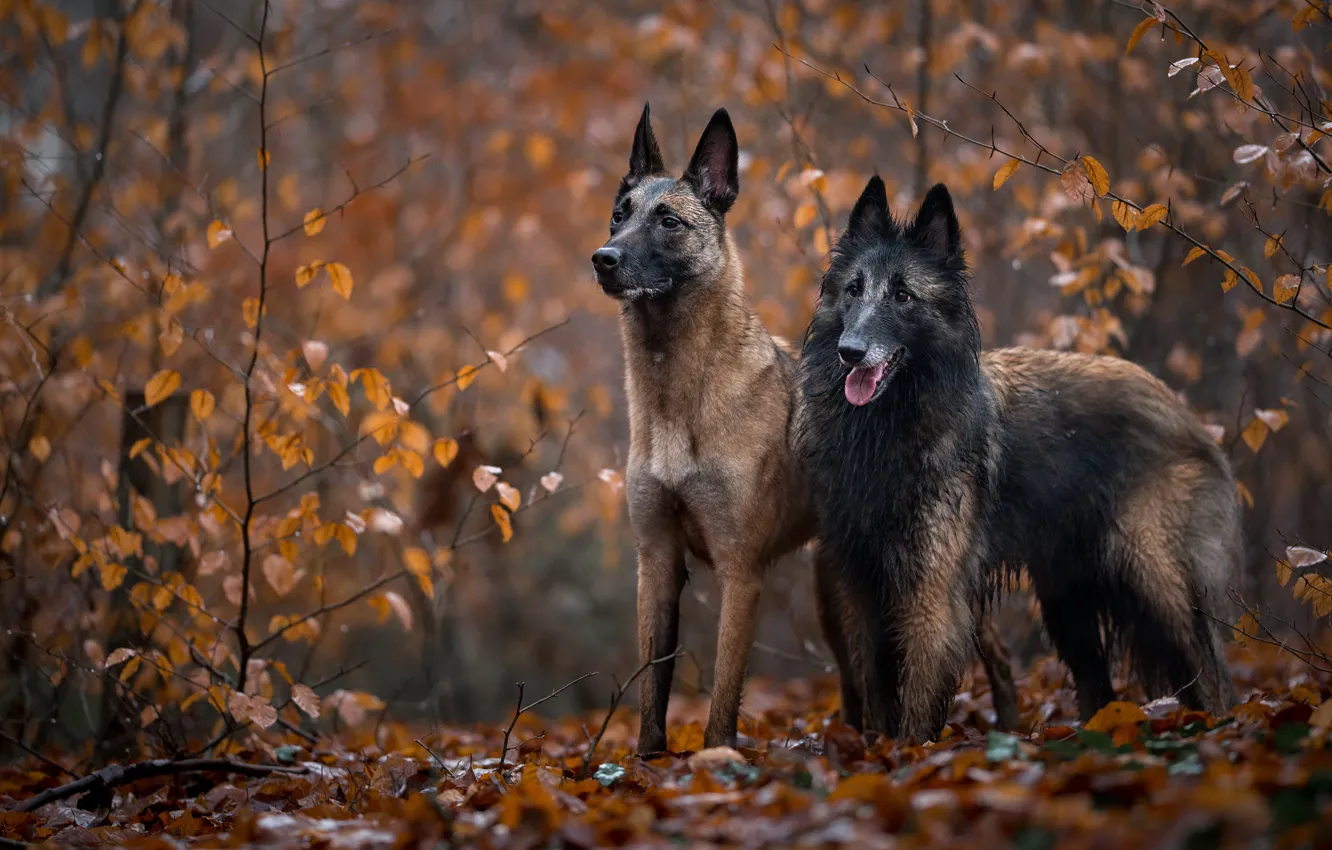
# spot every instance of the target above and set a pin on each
(852, 352)
(606, 259)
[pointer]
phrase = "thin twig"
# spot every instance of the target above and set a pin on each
(520, 710)
(616, 696)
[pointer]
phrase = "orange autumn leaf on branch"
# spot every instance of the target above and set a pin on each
(161, 386)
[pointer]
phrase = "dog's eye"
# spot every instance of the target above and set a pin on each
(617, 217)
(902, 296)
(853, 288)
(670, 222)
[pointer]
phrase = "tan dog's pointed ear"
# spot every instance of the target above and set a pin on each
(714, 172)
(645, 156)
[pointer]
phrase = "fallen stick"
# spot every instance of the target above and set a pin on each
(116, 775)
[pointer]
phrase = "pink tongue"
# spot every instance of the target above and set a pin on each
(861, 382)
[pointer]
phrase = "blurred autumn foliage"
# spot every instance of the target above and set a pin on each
(312, 416)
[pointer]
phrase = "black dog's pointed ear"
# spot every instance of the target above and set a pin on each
(870, 214)
(714, 172)
(936, 229)
(644, 157)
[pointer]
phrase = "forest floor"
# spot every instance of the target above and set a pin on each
(1137, 775)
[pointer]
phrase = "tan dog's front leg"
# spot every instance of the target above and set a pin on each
(739, 615)
(661, 575)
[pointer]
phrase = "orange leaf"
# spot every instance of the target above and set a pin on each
(446, 449)
(341, 278)
(1151, 215)
(1253, 280)
(539, 150)
(161, 386)
(217, 234)
(112, 575)
(1285, 288)
(509, 496)
(1115, 715)
(417, 561)
(1007, 170)
(306, 273)
(1272, 245)
(40, 448)
(171, 337)
(250, 311)
(1254, 434)
(1193, 254)
(338, 395)
(314, 221)
(202, 404)
(1096, 173)
(1138, 32)
(411, 461)
(386, 461)
(377, 388)
(466, 375)
(501, 518)
(804, 214)
(1245, 627)
(1126, 215)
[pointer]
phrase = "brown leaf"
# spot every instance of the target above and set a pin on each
(281, 576)
(306, 700)
(1245, 154)
(1075, 183)
(315, 353)
(484, 477)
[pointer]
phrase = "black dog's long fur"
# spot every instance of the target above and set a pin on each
(1086, 471)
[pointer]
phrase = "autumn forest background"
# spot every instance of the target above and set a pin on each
(307, 392)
